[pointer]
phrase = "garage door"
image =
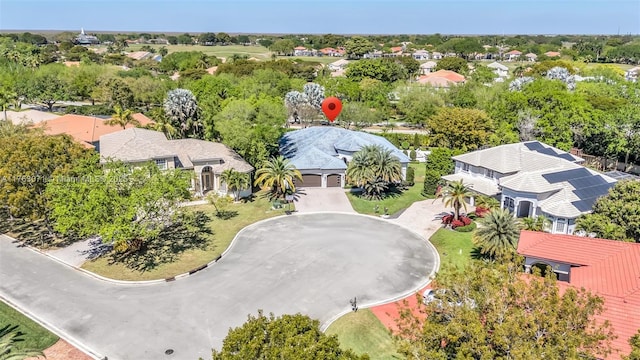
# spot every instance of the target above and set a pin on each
(333, 181)
(309, 181)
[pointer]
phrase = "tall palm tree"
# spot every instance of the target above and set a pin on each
(498, 233)
(236, 182)
(453, 195)
(122, 117)
(9, 336)
(278, 174)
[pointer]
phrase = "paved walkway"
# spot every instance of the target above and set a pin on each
(79, 252)
(307, 263)
(322, 199)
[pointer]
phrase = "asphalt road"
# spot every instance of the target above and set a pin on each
(312, 264)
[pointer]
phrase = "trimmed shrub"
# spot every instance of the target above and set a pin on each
(405, 145)
(447, 219)
(405, 152)
(482, 211)
(465, 220)
(431, 182)
(411, 176)
(413, 155)
(467, 228)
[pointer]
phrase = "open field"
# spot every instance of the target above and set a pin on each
(223, 233)
(259, 52)
(363, 333)
(35, 336)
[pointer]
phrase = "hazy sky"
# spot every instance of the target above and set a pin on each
(345, 16)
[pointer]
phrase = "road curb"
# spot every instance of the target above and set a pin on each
(60, 333)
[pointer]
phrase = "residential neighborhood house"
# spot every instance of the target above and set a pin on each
(531, 57)
(338, 65)
(420, 55)
(499, 69)
(531, 178)
(606, 268)
(442, 79)
(428, 67)
(206, 160)
(86, 130)
(632, 74)
(513, 55)
(321, 153)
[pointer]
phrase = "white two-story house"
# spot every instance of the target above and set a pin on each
(531, 179)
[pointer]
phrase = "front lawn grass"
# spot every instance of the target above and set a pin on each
(393, 202)
(223, 233)
(35, 336)
(453, 247)
(363, 333)
(259, 52)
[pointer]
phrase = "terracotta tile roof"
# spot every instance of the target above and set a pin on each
(514, 52)
(299, 48)
(435, 81)
(396, 49)
(608, 268)
(85, 129)
(552, 53)
(447, 74)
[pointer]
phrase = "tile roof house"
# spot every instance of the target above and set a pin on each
(321, 153)
(428, 67)
(531, 57)
(420, 55)
(499, 69)
(531, 178)
(513, 55)
(338, 65)
(606, 268)
(552, 54)
(442, 78)
(207, 160)
(85, 129)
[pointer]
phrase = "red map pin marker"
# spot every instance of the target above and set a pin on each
(331, 107)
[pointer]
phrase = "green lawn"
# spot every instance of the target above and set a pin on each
(259, 52)
(223, 233)
(35, 336)
(363, 333)
(454, 247)
(394, 203)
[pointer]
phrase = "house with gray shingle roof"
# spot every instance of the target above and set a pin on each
(321, 153)
(207, 160)
(532, 178)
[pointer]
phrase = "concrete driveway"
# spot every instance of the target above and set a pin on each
(311, 264)
(322, 199)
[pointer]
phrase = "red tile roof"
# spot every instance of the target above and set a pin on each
(396, 49)
(447, 74)
(514, 52)
(85, 129)
(608, 268)
(552, 53)
(299, 48)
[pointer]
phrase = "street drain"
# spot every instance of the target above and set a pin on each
(168, 352)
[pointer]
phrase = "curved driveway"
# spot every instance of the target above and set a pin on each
(311, 264)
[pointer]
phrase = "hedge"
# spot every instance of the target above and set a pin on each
(467, 228)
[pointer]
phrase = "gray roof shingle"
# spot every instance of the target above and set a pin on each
(319, 147)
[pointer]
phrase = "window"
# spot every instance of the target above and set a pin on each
(508, 203)
(161, 163)
(560, 225)
(465, 167)
(488, 173)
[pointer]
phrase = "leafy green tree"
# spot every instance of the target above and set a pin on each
(236, 182)
(278, 174)
(498, 234)
(454, 64)
(491, 311)
(10, 336)
(385, 70)
(46, 85)
(635, 347)
(7, 97)
(459, 128)
(454, 195)
(113, 91)
(418, 105)
(615, 216)
(126, 206)
(283, 47)
(285, 337)
(122, 118)
(28, 163)
(181, 107)
(357, 46)
(359, 115)
(432, 179)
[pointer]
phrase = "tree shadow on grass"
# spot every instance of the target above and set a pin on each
(190, 232)
(226, 214)
(27, 232)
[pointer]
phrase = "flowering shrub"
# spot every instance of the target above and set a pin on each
(465, 220)
(447, 219)
(482, 211)
(456, 223)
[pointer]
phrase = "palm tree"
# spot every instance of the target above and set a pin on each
(122, 117)
(498, 233)
(236, 182)
(278, 174)
(181, 107)
(7, 98)
(453, 194)
(9, 336)
(539, 223)
(373, 168)
(487, 202)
